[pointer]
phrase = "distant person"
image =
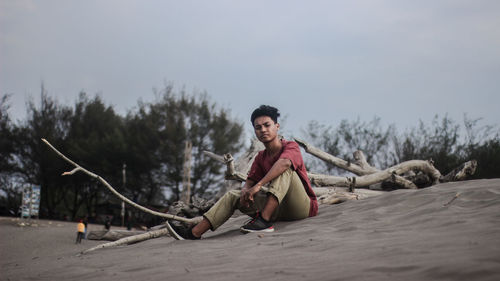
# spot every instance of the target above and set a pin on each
(80, 228)
(280, 166)
(86, 223)
(107, 224)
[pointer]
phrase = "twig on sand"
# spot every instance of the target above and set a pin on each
(452, 199)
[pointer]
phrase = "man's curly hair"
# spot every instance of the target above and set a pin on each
(265, 110)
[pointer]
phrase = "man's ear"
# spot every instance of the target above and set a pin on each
(278, 125)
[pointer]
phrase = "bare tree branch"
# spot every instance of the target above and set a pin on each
(366, 180)
(360, 159)
(360, 166)
(341, 163)
(123, 198)
(129, 240)
(228, 160)
(461, 172)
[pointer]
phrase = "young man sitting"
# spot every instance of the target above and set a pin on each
(288, 196)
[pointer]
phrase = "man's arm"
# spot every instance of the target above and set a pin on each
(251, 188)
(276, 170)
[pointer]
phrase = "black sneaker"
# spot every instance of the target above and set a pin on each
(257, 224)
(180, 233)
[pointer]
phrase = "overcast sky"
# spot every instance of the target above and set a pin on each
(403, 61)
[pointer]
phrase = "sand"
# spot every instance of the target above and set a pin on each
(401, 235)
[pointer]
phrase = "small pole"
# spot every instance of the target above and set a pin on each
(186, 178)
(124, 174)
(31, 202)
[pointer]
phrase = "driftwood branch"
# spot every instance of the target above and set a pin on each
(462, 172)
(112, 235)
(360, 159)
(333, 195)
(341, 163)
(228, 160)
(110, 188)
(358, 167)
(424, 166)
(452, 199)
(129, 240)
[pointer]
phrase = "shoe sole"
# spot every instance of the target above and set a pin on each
(266, 230)
(172, 232)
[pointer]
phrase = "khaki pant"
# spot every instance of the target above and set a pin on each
(294, 203)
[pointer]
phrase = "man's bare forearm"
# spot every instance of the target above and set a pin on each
(276, 170)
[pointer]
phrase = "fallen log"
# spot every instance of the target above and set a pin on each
(360, 159)
(366, 180)
(462, 172)
(361, 193)
(112, 235)
(129, 240)
(334, 195)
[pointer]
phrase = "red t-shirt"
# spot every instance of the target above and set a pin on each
(290, 150)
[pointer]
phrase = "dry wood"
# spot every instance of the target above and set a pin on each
(424, 166)
(452, 199)
(110, 188)
(360, 159)
(228, 160)
(358, 167)
(361, 193)
(461, 172)
(112, 235)
(129, 240)
(341, 163)
(327, 180)
(336, 198)
(333, 195)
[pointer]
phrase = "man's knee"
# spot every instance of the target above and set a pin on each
(230, 198)
(280, 186)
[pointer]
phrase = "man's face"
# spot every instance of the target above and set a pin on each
(265, 128)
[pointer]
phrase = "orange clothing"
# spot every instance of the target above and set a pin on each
(81, 227)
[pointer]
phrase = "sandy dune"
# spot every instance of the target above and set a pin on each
(403, 235)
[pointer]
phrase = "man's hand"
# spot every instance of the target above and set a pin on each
(247, 194)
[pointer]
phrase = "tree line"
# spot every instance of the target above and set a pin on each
(444, 141)
(150, 140)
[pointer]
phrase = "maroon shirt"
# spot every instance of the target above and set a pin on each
(290, 150)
